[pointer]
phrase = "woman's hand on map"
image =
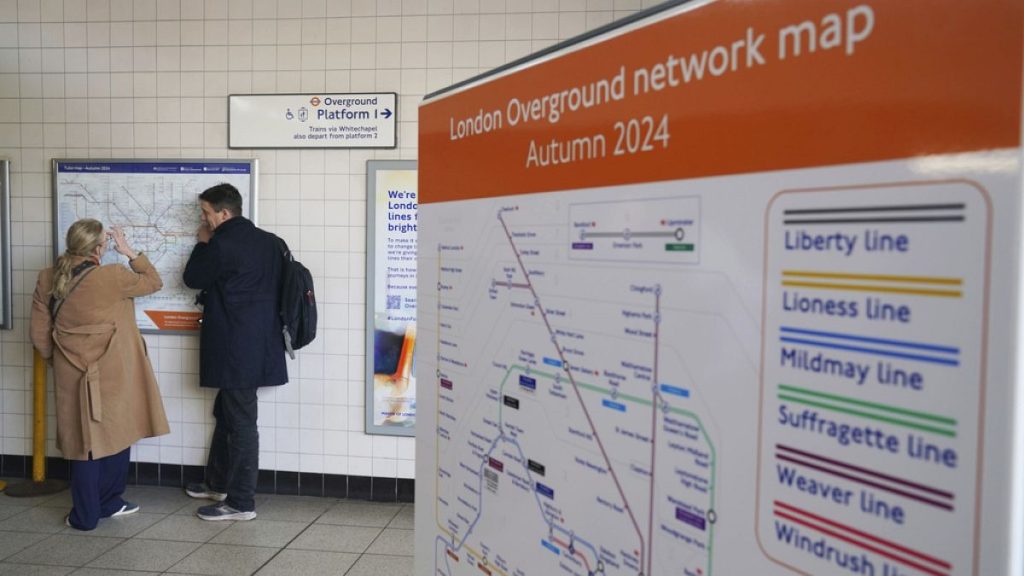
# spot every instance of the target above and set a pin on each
(121, 245)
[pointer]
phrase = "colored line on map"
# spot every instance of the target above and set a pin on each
(888, 220)
(871, 405)
(885, 341)
(618, 395)
(863, 481)
(869, 415)
(874, 288)
(644, 562)
(856, 537)
(572, 550)
(605, 391)
(874, 277)
(908, 483)
(655, 399)
(893, 208)
(872, 351)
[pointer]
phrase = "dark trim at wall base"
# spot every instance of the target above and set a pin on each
(15, 466)
(268, 482)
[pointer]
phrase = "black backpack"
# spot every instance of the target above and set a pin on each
(298, 303)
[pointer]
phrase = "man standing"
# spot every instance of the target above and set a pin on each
(238, 268)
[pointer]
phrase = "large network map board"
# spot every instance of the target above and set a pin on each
(157, 204)
(728, 289)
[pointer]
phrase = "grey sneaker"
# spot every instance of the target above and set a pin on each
(223, 512)
(201, 490)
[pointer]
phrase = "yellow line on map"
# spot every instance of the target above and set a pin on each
(875, 277)
(471, 549)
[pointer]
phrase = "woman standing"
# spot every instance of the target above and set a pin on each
(83, 317)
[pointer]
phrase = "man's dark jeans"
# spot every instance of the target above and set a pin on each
(233, 464)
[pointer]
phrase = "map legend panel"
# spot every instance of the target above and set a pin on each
(872, 379)
(653, 230)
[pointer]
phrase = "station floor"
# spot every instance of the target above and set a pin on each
(292, 535)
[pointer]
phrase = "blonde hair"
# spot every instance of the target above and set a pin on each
(83, 238)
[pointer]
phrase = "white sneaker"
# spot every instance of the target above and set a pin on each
(127, 509)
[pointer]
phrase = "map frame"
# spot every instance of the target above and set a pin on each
(243, 172)
(6, 267)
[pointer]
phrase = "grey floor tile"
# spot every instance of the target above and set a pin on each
(14, 542)
(360, 514)
(39, 519)
(7, 569)
(182, 528)
(224, 560)
(373, 565)
(120, 527)
(406, 518)
(162, 500)
(145, 555)
(291, 508)
(330, 538)
(108, 572)
(65, 550)
(308, 563)
(260, 532)
(61, 499)
(393, 541)
(8, 510)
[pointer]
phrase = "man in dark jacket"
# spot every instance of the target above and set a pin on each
(238, 268)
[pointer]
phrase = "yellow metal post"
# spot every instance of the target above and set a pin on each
(39, 418)
(39, 484)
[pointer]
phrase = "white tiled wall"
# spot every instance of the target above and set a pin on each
(149, 79)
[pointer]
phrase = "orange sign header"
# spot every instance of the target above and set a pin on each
(166, 320)
(735, 87)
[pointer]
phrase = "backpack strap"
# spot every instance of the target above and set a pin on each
(55, 303)
(286, 254)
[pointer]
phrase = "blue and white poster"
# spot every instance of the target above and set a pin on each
(392, 216)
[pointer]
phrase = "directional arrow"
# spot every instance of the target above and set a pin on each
(387, 113)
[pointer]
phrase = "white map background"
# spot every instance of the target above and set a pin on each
(159, 213)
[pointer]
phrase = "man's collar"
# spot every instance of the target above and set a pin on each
(232, 222)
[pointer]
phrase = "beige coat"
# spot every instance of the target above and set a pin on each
(106, 392)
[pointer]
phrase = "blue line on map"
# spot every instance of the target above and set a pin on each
(480, 505)
(554, 527)
(446, 545)
(856, 338)
(873, 351)
(551, 547)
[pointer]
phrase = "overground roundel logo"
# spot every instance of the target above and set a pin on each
(315, 101)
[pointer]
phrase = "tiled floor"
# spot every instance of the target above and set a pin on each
(292, 536)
